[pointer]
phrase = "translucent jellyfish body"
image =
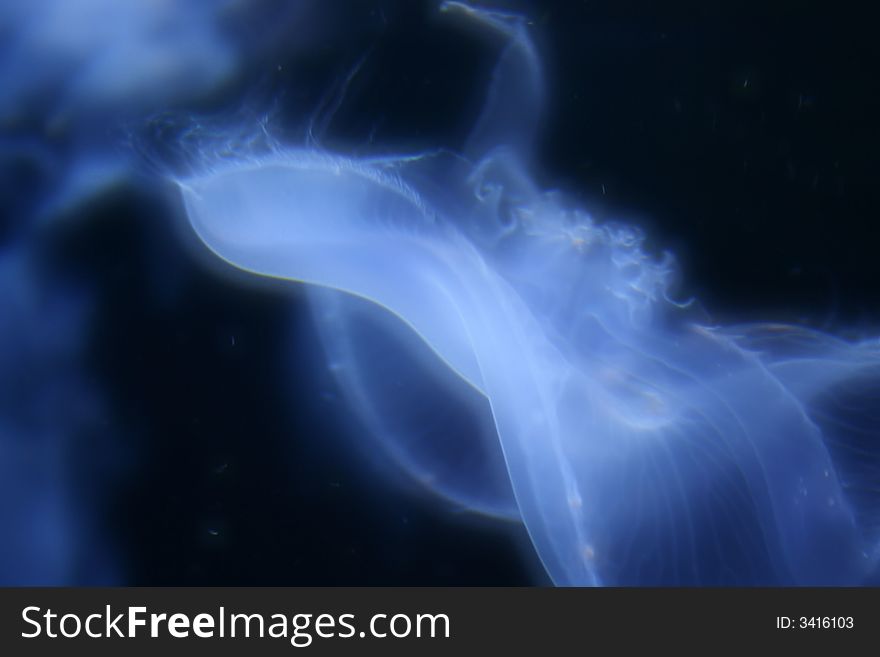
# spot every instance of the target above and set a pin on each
(642, 448)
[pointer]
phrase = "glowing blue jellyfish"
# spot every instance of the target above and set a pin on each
(641, 446)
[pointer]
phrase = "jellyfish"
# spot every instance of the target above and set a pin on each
(639, 444)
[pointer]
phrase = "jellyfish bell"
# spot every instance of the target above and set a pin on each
(337, 223)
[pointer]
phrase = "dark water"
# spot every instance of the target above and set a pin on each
(743, 138)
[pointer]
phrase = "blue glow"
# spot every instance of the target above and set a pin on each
(642, 446)
(73, 75)
(44, 405)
